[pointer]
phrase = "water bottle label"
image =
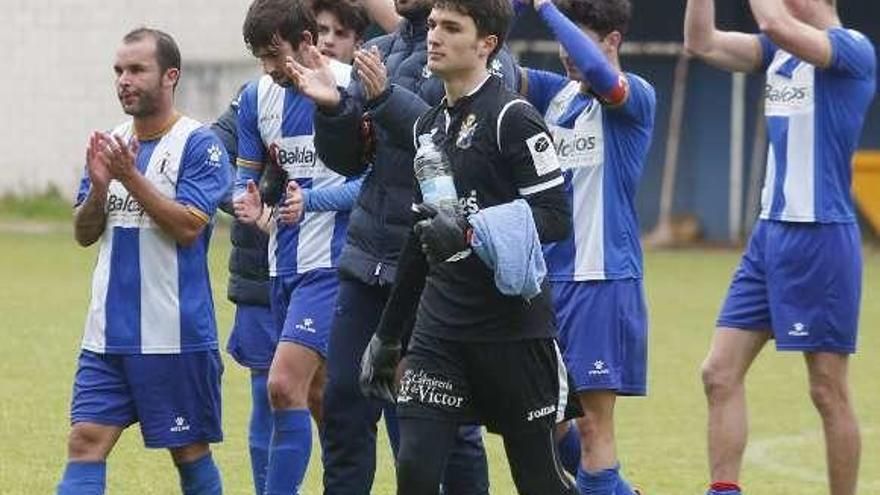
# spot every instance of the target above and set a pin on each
(438, 189)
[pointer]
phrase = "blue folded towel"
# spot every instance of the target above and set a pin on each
(506, 239)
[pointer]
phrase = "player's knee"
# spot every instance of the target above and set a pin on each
(282, 393)
(87, 444)
(718, 382)
(828, 394)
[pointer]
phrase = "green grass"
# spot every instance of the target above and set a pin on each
(50, 205)
(43, 298)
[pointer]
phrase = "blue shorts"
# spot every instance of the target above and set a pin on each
(253, 338)
(303, 306)
(174, 397)
(803, 282)
(603, 334)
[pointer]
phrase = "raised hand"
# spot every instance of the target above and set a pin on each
(371, 71)
(97, 165)
(291, 211)
(248, 206)
(314, 78)
(119, 156)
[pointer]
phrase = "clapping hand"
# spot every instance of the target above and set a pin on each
(291, 211)
(314, 78)
(119, 157)
(248, 206)
(372, 72)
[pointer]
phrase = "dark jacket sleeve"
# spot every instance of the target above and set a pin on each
(397, 111)
(398, 317)
(342, 125)
(226, 128)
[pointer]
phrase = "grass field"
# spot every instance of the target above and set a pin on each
(43, 299)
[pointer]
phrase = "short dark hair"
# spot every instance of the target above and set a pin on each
(490, 16)
(351, 15)
(167, 52)
(286, 18)
(602, 16)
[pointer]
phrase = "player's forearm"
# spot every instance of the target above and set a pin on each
(383, 13)
(337, 198)
(802, 40)
(589, 59)
(90, 218)
(551, 210)
(699, 26)
(182, 223)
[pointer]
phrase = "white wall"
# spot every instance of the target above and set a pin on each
(57, 82)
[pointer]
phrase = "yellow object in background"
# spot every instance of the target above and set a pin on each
(866, 186)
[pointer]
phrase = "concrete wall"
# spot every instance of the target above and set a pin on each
(57, 83)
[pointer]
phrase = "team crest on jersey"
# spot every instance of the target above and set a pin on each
(495, 68)
(466, 132)
(214, 154)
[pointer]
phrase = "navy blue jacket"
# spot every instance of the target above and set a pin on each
(249, 258)
(381, 218)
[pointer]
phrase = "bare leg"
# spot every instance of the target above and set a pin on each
(596, 429)
(829, 389)
(724, 370)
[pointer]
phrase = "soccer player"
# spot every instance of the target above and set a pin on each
(475, 355)
(307, 228)
(254, 334)
(799, 281)
(364, 129)
(253, 337)
(601, 119)
(149, 353)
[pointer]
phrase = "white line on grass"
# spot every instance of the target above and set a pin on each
(765, 453)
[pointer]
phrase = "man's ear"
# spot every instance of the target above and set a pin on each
(307, 38)
(614, 39)
(171, 77)
(487, 45)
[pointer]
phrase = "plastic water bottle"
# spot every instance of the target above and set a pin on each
(434, 174)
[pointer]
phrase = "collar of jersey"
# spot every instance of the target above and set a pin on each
(161, 132)
(467, 96)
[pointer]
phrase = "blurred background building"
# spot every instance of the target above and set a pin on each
(703, 175)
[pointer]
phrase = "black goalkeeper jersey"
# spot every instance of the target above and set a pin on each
(500, 150)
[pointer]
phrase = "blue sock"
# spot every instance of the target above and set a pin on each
(83, 478)
(604, 482)
(289, 452)
(569, 447)
(200, 477)
(260, 430)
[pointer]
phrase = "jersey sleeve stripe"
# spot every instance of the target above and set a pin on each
(202, 216)
(241, 162)
(543, 186)
(501, 118)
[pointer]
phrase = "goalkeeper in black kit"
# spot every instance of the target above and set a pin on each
(470, 284)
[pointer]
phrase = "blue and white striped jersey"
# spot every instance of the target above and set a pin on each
(814, 120)
(277, 121)
(149, 294)
(602, 153)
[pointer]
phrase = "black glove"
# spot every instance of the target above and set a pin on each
(274, 179)
(443, 233)
(378, 369)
